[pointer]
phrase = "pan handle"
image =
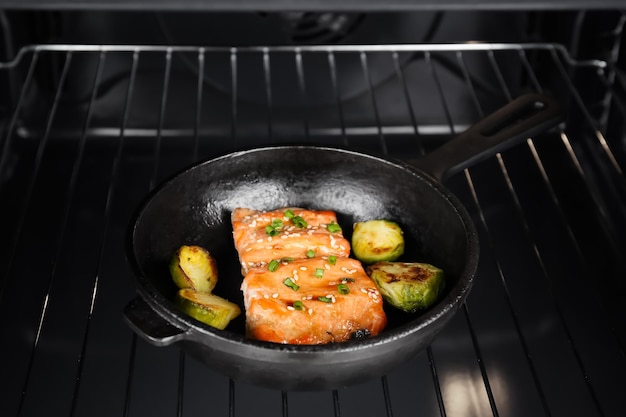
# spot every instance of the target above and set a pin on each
(525, 116)
(148, 324)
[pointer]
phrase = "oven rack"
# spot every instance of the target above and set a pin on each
(89, 130)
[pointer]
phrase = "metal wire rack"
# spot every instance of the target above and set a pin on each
(91, 129)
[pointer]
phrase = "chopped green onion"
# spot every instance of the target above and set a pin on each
(272, 231)
(286, 259)
(299, 222)
(345, 280)
(333, 227)
(298, 305)
(343, 289)
(273, 265)
(289, 282)
(273, 228)
(319, 272)
(310, 253)
(289, 214)
(332, 259)
(325, 299)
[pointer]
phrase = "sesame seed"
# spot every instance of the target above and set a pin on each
(310, 311)
(248, 249)
(303, 268)
(269, 238)
(327, 266)
(266, 296)
(290, 308)
(274, 295)
(363, 290)
(259, 241)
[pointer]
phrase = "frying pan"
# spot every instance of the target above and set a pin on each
(194, 207)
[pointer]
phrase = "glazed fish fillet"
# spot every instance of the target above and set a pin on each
(312, 301)
(285, 233)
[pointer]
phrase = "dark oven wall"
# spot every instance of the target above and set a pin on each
(294, 28)
(585, 33)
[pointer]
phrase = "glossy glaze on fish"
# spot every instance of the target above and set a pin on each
(257, 245)
(312, 301)
(300, 286)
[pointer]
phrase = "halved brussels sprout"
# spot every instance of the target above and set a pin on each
(207, 308)
(409, 286)
(194, 267)
(377, 240)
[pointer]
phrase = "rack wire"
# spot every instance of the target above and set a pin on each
(93, 128)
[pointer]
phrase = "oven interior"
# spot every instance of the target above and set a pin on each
(100, 106)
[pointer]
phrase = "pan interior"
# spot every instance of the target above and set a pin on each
(195, 208)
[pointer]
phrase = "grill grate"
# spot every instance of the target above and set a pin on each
(95, 128)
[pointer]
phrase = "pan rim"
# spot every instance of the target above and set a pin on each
(201, 333)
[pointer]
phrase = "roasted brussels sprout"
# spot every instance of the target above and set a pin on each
(207, 308)
(194, 267)
(409, 286)
(377, 240)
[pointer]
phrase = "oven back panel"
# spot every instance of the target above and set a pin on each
(308, 5)
(90, 130)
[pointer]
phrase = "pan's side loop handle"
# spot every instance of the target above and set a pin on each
(520, 119)
(148, 324)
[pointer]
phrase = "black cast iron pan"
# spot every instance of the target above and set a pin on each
(195, 206)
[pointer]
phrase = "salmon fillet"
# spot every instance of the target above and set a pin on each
(257, 245)
(312, 301)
